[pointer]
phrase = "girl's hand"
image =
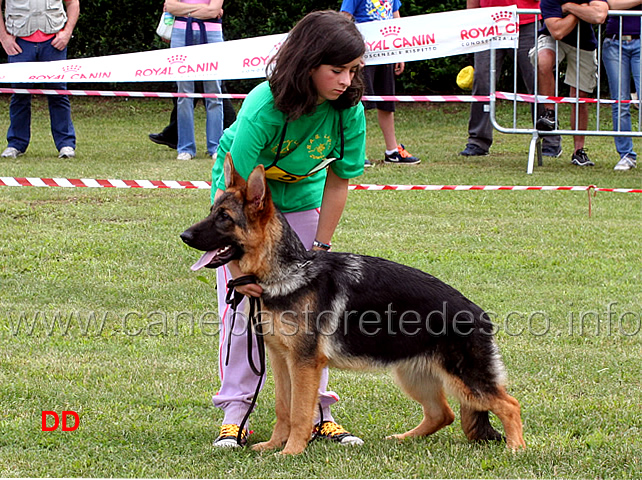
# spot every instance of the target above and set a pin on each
(250, 290)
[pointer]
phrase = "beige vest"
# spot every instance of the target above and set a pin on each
(24, 17)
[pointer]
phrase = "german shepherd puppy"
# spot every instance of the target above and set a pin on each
(355, 312)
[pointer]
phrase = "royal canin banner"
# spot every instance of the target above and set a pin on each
(404, 39)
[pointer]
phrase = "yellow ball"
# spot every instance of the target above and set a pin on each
(465, 78)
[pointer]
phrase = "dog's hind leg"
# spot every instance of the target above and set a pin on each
(508, 410)
(427, 389)
(474, 415)
(476, 425)
(282, 388)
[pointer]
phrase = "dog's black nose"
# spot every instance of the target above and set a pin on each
(187, 236)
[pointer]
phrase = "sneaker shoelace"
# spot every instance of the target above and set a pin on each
(231, 430)
(332, 429)
(403, 152)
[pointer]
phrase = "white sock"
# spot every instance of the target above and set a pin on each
(390, 152)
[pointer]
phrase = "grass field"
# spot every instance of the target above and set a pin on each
(100, 314)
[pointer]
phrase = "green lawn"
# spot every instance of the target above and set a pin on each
(133, 348)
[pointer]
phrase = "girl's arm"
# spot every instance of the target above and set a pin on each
(335, 195)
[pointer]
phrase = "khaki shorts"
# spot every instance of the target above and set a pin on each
(588, 62)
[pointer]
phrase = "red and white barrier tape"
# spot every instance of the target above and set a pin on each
(116, 93)
(519, 97)
(203, 185)
(495, 188)
(98, 183)
(529, 98)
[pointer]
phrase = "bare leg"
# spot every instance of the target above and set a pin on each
(387, 125)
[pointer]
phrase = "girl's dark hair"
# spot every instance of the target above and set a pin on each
(320, 38)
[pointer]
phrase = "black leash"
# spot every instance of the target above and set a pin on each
(317, 427)
(233, 299)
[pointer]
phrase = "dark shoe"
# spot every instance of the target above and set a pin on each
(546, 122)
(336, 433)
(551, 151)
(161, 140)
(581, 159)
(367, 163)
(401, 157)
(473, 150)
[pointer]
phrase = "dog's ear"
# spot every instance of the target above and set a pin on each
(257, 188)
(229, 172)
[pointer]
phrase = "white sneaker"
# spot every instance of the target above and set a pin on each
(184, 156)
(625, 163)
(11, 152)
(214, 156)
(67, 152)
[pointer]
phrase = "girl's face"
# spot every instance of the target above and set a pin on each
(332, 80)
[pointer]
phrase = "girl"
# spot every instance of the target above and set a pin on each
(197, 22)
(306, 125)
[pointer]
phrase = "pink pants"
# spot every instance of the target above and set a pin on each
(238, 381)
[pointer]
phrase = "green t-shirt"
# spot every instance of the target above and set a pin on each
(254, 138)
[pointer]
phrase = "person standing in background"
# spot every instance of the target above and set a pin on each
(619, 74)
(568, 34)
(480, 130)
(32, 31)
(380, 79)
(169, 135)
(197, 22)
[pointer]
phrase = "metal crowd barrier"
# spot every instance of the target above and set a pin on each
(535, 147)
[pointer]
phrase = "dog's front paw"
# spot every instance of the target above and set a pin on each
(398, 437)
(264, 446)
(292, 451)
(294, 448)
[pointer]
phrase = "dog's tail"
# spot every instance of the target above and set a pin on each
(477, 427)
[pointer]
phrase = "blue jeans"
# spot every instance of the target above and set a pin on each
(62, 128)
(185, 106)
(630, 66)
